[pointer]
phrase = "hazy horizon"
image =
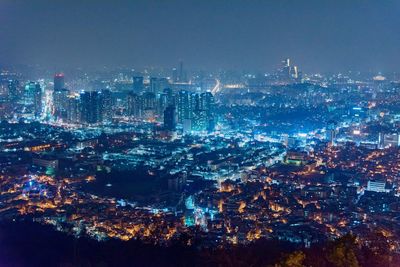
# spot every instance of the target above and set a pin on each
(319, 36)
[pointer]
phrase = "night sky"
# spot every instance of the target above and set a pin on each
(210, 34)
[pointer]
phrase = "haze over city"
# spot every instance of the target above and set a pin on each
(322, 36)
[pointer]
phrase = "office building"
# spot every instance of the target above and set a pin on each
(59, 82)
(157, 85)
(37, 100)
(170, 118)
(74, 109)
(184, 105)
(138, 84)
(60, 103)
(376, 186)
(134, 105)
(91, 107)
(107, 104)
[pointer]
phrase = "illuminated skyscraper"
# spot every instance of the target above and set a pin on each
(74, 109)
(38, 100)
(91, 107)
(207, 104)
(60, 103)
(389, 140)
(107, 104)
(202, 112)
(331, 132)
(199, 120)
(285, 71)
(29, 94)
(184, 101)
(60, 95)
(33, 99)
(289, 73)
(134, 105)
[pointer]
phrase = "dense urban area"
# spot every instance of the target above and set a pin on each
(206, 160)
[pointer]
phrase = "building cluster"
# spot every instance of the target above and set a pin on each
(172, 101)
(303, 204)
(221, 158)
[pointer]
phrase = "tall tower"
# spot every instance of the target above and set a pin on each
(185, 103)
(286, 69)
(331, 132)
(208, 105)
(37, 102)
(33, 98)
(107, 104)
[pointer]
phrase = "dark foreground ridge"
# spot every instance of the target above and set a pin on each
(31, 244)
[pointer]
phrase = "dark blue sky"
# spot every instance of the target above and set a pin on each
(318, 35)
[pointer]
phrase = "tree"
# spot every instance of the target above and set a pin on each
(342, 252)
(294, 259)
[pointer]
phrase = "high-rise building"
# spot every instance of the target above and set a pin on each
(13, 92)
(202, 112)
(107, 104)
(184, 105)
(59, 81)
(187, 125)
(149, 106)
(389, 140)
(33, 98)
(60, 103)
(199, 120)
(174, 75)
(289, 73)
(331, 132)
(74, 109)
(207, 103)
(138, 84)
(285, 71)
(38, 101)
(134, 105)
(149, 101)
(157, 85)
(170, 118)
(91, 107)
(162, 103)
(29, 94)
(170, 96)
